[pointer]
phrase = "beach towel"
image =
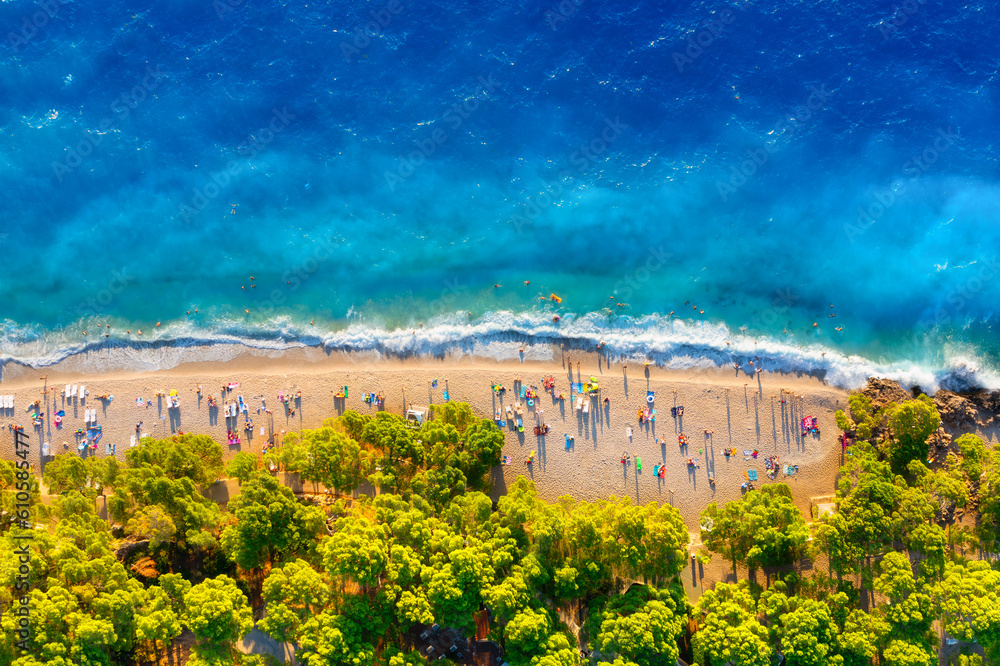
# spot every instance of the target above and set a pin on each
(434, 383)
(752, 474)
(524, 389)
(577, 387)
(445, 394)
(650, 397)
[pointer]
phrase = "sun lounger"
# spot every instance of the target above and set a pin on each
(586, 407)
(579, 404)
(72, 391)
(83, 392)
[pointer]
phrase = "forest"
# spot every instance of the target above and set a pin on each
(908, 557)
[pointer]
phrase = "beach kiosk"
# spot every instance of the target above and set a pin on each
(416, 417)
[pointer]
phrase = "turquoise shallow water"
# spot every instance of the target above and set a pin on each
(755, 161)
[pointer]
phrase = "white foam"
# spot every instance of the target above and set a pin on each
(669, 342)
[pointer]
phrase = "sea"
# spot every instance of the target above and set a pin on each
(811, 186)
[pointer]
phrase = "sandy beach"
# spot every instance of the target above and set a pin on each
(722, 410)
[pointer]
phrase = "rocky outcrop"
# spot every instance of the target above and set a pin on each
(957, 412)
(883, 391)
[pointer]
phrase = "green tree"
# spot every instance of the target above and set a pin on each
(153, 523)
(333, 458)
(764, 528)
(911, 423)
(729, 630)
(267, 523)
(861, 637)
(988, 529)
(242, 466)
(329, 639)
(193, 515)
(905, 653)
(910, 609)
(526, 635)
(195, 457)
(158, 623)
(643, 626)
(969, 599)
(358, 550)
(807, 633)
(293, 594)
(863, 419)
(89, 476)
(218, 615)
(974, 456)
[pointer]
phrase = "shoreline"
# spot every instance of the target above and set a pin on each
(744, 412)
(669, 342)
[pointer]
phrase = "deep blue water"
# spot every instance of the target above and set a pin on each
(758, 161)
